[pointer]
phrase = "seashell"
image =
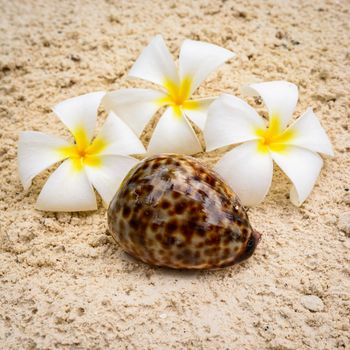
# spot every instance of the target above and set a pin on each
(173, 211)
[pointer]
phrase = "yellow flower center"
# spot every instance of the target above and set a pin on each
(273, 138)
(83, 152)
(178, 95)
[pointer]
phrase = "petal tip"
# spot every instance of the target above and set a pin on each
(26, 185)
(42, 206)
(97, 94)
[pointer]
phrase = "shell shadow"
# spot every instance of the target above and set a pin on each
(188, 274)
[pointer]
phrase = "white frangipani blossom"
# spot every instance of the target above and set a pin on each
(136, 107)
(248, 167)
(101, 162)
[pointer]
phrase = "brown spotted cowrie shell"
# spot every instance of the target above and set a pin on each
(173, 211)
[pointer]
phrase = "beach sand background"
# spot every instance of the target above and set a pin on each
(65, 284)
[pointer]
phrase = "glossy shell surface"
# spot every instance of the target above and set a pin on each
(173, 211)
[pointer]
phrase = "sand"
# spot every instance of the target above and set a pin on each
(66, 285)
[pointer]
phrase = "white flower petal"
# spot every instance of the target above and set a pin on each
(247, 171)
(117, 138)
(173, 134)
(155, 63)
(197, 110)
(308, 133)
(36, 152)
(67, 189)
(108, 176)
(280, 98)
(135, 106)
(230, 120)
(302, 167)
(79, 113)
(198, 59)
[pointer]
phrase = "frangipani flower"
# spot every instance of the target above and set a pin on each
(173, 132)
(248, 167)
(101, 163)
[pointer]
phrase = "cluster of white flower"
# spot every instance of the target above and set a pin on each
(102, 162)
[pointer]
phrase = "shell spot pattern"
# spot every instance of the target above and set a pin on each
(173, 211)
